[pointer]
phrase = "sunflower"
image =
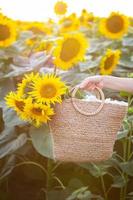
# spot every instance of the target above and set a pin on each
(115, 26)
(14, 101)
(38, 28)
(70, 23)
(48, 89)
(7, 31)
(45, 46)
(86, 18)
(37, 113)
(109, 61)
(60, 8)
(25, 85)
(70, 49)
(32, 41)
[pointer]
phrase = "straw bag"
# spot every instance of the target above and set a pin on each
(86, 131)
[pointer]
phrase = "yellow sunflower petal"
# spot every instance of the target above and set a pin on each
(38, 28)
(37, 113)
(7, 31)
(109, 61)
(69, 24)
(60, 8)
(70, 49)
(115, 26)
(26, 83)
(14, 101)
(86, 19)
(48, 89)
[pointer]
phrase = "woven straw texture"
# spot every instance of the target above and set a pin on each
(80, 138)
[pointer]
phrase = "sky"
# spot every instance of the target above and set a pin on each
(40, 10)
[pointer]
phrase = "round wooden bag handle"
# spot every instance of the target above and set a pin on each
(83, 112)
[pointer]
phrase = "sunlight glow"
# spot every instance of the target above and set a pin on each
(40, 10)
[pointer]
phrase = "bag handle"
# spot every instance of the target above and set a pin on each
(75, 89)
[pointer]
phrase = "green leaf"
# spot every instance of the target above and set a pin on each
(131, 74)
(119, 182)
(127, 41)
(130, 110)
(11, 119)
(96, 170)
(7, 135)
(42, 140)
(17, 72)
(6, 85)
(13, 145)
(81, 193)
(131, 193)
(127, 167)
(125, 94)
(126, 63)
(8, 167)
(75, 183)
(122, 134)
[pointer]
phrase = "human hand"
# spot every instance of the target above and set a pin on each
(90, 83)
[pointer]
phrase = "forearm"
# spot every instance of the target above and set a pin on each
(117, 83)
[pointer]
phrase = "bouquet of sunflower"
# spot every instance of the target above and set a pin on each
(35, 97)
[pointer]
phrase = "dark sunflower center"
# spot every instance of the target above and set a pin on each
(115, 24)
(48, 91)
(4, 32)
(109, 62)
(20, 105)
(37, 111)
(70, 49)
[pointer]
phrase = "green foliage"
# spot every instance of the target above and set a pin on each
(42, 140)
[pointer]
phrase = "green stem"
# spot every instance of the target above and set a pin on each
(48, 177)
(122, 190)
(130, 143)
(32, 163)
(121, 194)
(55, 70)
(126, 156)
(59, 181)
(103, 187)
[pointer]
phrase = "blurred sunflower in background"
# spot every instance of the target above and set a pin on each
(69, 23)
(86, 18)
(32, 41)
(45, 46)
(38, 28)
(115, 26)
(60, 8)
(69, 50)
(8, 32)
(48, 89)
(109, 61)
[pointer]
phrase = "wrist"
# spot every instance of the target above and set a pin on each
(107, 81)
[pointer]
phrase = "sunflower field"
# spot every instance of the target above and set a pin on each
(40, 62)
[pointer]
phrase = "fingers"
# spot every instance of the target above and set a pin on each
(84, 83)
(92, 82)
(91, 86)
(100, 84)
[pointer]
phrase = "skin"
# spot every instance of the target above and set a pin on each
(110, 82)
